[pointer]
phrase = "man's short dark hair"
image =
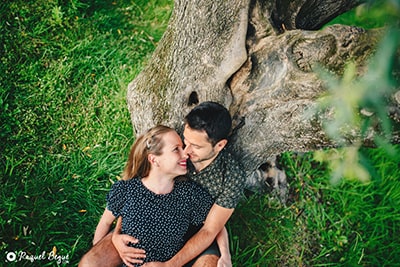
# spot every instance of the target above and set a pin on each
(211, 117)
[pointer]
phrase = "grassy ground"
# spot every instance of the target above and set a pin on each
(351, 224)
(65, 135)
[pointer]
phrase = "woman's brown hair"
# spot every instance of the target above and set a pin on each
(148, 143)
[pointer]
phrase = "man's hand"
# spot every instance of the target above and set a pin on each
(224, 262)
(155, 264)
(129, 255)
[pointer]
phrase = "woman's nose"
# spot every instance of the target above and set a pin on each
(184, 154)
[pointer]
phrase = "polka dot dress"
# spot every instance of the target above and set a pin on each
(160, 222)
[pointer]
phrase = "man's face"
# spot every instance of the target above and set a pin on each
(199, 148)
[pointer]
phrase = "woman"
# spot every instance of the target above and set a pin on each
(156, 208)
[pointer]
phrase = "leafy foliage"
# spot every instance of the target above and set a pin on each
(359, 105)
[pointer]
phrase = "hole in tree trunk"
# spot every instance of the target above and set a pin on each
(193, 99)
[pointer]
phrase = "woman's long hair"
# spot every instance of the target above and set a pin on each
(151, 142)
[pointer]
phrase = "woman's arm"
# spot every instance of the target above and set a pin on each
(223, 244)
(104, 225)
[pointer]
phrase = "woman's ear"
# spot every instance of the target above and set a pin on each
(153, 160)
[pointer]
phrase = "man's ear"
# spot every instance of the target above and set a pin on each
(221, 144)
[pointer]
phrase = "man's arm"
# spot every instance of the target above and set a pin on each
(129, 255)
(223, 245)
(215, 221)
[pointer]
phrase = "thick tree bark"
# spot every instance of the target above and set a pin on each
(258, 59)
(305, 14)
(203, 46)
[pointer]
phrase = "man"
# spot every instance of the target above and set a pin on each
(206, 132)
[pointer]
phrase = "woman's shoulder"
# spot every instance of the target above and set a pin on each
(134, 182)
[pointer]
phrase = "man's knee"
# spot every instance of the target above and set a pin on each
(102, 254)
(209, 260)
(86, 260)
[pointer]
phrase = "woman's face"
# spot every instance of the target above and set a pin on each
(172, 161)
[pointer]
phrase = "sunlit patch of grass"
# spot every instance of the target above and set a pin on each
(66, 129)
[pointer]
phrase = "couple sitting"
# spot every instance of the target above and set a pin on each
(173, 210)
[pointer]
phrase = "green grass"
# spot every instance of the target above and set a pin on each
(65, 134)
(351, 224)
(66, 129)
(371, 14)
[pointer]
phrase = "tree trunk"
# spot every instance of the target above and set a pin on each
(258, 59)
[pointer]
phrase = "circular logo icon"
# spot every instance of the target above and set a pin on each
(11, 256)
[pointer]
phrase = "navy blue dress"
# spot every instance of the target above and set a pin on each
(160, 222)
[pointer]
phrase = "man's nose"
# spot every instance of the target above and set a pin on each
(187, 149)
